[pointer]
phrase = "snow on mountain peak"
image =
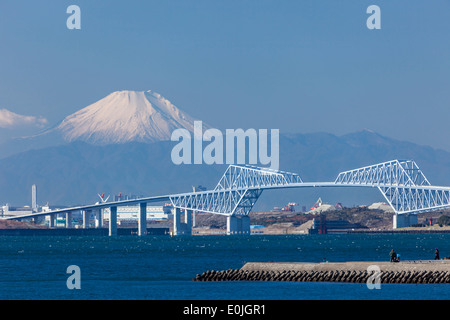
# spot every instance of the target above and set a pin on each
(123, 116)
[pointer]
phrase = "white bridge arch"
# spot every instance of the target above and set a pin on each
(401, 182)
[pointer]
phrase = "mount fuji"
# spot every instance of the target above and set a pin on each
(120, 117)
(125, 116)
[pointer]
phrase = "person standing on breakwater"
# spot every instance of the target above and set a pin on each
(436, 254)
(393, 255)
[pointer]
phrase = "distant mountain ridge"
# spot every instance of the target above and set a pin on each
(74, 173)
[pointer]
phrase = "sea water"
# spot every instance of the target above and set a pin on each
(162, 267)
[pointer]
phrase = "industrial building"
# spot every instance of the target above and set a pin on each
(9, 211)
(126, 216)
(130, 214)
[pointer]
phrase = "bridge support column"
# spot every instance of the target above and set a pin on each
(232, 225)
(142, 221)
(176, 221)
(69, 220)
(113, 221)
(403, 220)
(52, 221)
(245, 220)
(86, 215)
(188, 222)
(179, 227)
(238, 225)
(99, 218)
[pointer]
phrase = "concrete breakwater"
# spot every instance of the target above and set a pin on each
(357, 272)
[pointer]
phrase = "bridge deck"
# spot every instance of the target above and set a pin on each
(402, 184)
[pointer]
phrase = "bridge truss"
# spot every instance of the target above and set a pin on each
(403, 185)
(237, 191)
(401, 182)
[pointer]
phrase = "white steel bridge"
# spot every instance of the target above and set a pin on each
(401, 182)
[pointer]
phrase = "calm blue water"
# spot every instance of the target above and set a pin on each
(160, 267)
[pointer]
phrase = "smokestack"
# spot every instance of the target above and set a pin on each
(34, 198)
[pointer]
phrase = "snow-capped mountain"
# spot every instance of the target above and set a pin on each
(124, 116)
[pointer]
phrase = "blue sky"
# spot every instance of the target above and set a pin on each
(297, 66)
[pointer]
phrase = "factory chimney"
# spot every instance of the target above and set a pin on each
(34, 198)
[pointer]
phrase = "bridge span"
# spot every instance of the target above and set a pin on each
(401, 182)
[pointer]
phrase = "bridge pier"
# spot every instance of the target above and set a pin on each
(52, 221)
(99, 218)
(142, 221)
(69, 220)
(238, 225)
(179, 227)
(176, 220)
(188, 222)
(403, 220)
(113, 221)
(86, 218)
